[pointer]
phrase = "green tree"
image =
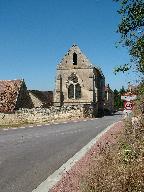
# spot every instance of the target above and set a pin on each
(122, 90)
(118, 103)
(131, 29)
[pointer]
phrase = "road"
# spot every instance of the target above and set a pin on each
(28, 156)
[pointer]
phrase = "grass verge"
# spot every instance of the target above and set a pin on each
(120, 167)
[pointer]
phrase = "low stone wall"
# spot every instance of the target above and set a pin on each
(41, 115)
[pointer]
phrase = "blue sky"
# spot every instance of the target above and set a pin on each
(36, 34)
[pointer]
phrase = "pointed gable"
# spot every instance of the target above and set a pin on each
(74, 59)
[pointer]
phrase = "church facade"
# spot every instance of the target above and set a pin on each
(78, 82)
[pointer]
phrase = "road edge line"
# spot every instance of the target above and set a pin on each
(52, 180)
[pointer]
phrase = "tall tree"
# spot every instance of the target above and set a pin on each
(131, 29)
(118, 103)
(122, 90)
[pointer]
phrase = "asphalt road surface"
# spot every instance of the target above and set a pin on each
(29, 155)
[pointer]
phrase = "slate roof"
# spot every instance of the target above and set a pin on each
(9, 91)
(107, 88)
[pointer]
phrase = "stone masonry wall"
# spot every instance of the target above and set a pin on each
(41, 115)
(84, 73)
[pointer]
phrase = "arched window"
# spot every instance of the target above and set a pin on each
(74, 91)
(77, 91)
(74, 59)
(71, 91)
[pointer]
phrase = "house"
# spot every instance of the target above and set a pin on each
(109, 100)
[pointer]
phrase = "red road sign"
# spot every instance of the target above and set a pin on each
(128, 105)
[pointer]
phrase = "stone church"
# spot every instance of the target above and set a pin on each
(78, 82)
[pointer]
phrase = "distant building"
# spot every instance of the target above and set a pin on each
(13, 95)
(78, 82)
(41, 98)
(109, 100)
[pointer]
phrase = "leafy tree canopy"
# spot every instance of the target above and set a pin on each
(122, 90)
(118, 103)
(131, 28)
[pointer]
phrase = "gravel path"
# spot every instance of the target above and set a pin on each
(71, 180)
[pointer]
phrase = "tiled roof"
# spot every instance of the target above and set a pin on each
(46, 97)
(9, 90)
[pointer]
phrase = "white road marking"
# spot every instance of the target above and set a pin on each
(47, 124)
(65, 122)
(31, 126)
(75, 121)
(14, 128)
(39, 125)
(56, 123)
(46, 185)
(5, 129)
(85, 120)
(22, 127)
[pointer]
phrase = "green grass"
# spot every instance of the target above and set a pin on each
(15, 125)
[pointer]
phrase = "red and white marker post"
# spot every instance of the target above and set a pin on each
(128, 102)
